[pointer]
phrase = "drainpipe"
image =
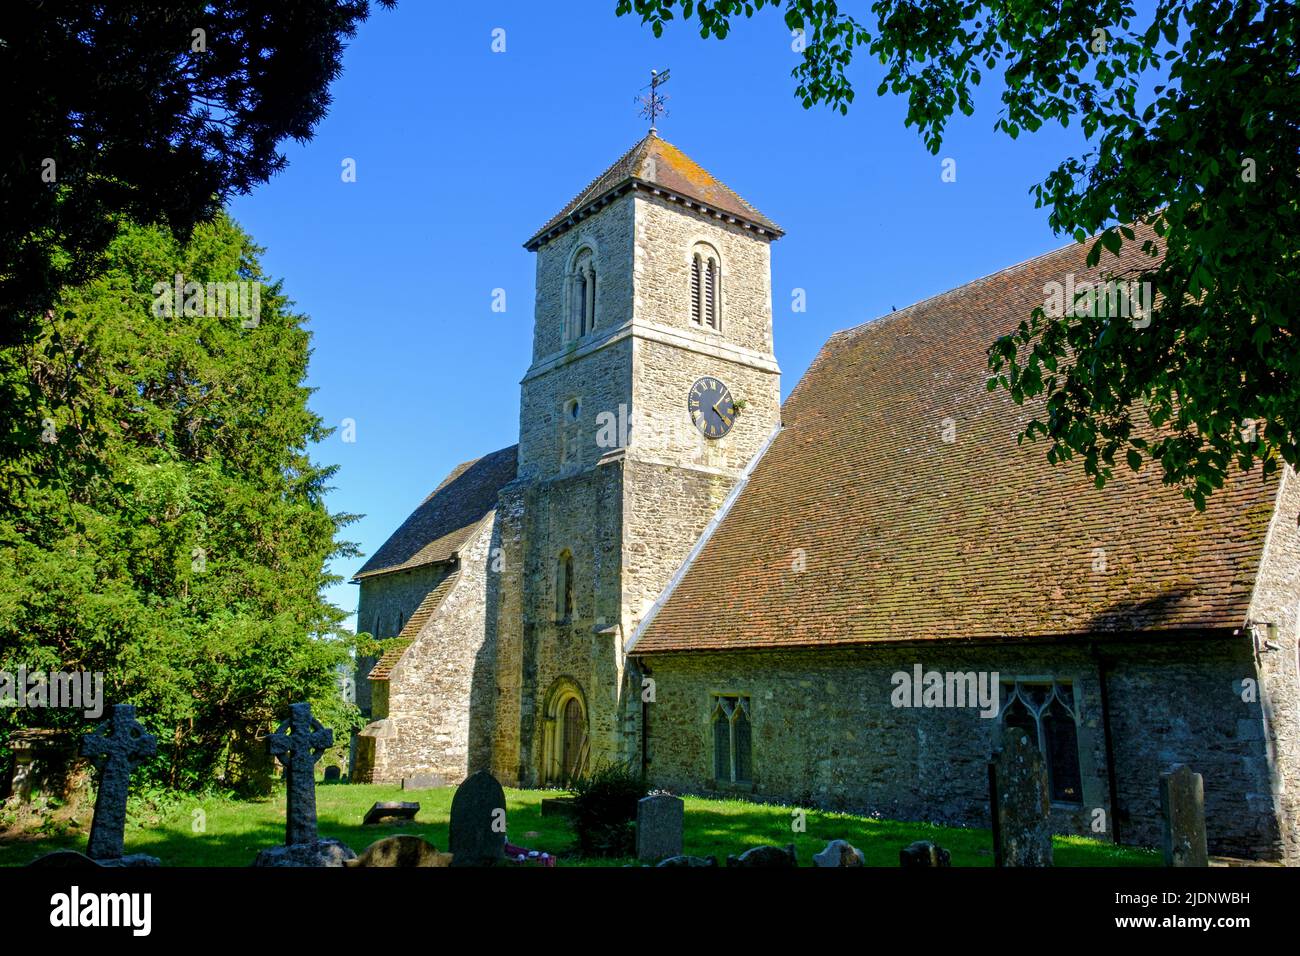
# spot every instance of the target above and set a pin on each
(645, 723)
(1112, 785)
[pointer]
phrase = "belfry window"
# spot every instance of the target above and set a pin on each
(705, 287)
(582, 295)
(732, 739)
(1045, 710)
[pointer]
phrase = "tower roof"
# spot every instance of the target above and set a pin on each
(656, 164)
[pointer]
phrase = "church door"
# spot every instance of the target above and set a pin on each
(573, 737)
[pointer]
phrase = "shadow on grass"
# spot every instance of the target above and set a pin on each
(229, 833)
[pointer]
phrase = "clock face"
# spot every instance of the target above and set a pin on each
(711, 407)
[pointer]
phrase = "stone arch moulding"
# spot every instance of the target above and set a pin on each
(562, 690)
(582, 243)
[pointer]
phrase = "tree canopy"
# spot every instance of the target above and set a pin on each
(167, 527)
(155, 111)
(1189, 114)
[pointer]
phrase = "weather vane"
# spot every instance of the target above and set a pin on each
(653, 103)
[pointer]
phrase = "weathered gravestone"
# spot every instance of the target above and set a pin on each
(403, 851)
(424, 781)
(1020, 804)
(659, 821)
(689, 861)
(390, 810)
(299, 743)
(922, 854)
(1182, 814)
(333, 774)
(839, 853)
(768, 857)
(115, 749)
(45, 764)
(478, 822)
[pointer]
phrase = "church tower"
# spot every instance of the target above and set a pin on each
(652, 388)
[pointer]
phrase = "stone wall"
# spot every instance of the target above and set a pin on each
(666, 235)
(1275, 611)
(552, 441)
(608, 234)
(385, 604)
(666, 508)
(439, 685)
(826, 733)
(581, 514)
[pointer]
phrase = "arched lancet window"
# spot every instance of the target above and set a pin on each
(706, 287)
(732, 739)
(582, 295)
(564, 586)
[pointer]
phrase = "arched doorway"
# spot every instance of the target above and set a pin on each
(573, 735)
(565, 746)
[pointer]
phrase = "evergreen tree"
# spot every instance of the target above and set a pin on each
(163, 522)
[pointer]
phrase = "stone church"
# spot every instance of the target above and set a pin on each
(673, 569)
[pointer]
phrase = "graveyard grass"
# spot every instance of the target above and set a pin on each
(234, 830)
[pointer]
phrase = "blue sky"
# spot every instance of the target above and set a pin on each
(462, 153)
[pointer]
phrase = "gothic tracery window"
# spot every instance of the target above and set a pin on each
(1045, 710)
(732, 739)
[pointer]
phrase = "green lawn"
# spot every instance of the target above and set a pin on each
(234, 831)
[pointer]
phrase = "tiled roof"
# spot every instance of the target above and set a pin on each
(395, 648)
(657, 163)
(908, 537)
(442, 524)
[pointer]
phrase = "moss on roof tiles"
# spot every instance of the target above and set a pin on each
(443, 522)
(908, 536)
(657, 162)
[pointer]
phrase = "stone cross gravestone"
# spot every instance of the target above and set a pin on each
(115, 749)
(1182, 813)
(659, 821)
(478, 822)
(299, 743)
(1020, 803)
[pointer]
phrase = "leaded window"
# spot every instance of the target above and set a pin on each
(1046, 711)
(732, 739)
